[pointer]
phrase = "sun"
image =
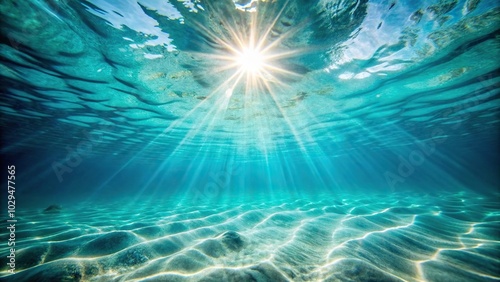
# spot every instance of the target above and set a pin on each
(251, 60)
(249, 53)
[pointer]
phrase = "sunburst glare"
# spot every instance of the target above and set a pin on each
(251, 60)
(250, 52)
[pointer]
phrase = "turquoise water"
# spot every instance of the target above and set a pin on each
(250, 140)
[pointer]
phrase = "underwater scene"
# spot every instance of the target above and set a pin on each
(250, 140)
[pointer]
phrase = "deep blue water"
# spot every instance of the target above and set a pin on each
(232, 113)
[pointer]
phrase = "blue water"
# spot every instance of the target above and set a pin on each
(250, 140)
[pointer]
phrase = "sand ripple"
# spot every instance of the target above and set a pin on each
(398, 237)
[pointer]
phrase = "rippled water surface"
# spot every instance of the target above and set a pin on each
(251, 140)
(355, 74)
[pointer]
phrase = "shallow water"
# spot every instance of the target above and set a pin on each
(250, 140)
(401, 237)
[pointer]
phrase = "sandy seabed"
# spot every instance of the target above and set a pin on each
(395, 237)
